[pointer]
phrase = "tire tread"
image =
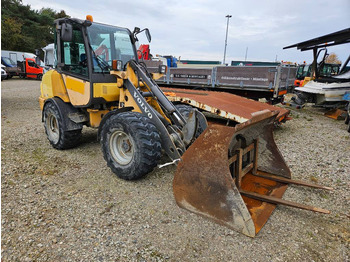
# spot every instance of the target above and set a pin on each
(68, 138)
(148, 141)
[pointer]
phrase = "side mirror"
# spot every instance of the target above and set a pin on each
(67, 32)
(148, 35)
(37, 60)
(137, 31)
(134, 33)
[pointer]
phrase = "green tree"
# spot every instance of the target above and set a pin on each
(10, 32)
(25, 29)
(61, 14)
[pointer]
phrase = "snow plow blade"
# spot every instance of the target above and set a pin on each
(236, 175)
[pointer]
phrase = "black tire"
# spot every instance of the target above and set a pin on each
(347, 118)
(39, 77)
(130, 144)
(301, 98)
(22, 76)
(185, 111)
(57, 135)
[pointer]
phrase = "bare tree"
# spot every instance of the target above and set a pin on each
(333, 59)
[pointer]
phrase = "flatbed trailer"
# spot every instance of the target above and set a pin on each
(270, 82)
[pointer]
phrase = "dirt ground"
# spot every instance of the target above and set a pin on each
(69, 206)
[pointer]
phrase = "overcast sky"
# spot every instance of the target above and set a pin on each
(196, 29)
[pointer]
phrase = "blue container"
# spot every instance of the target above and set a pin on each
(168, 61)
(346, 96)
(174, 62)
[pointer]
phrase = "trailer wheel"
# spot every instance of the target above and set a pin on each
(130, 144)
(185, 111)
(57, 135)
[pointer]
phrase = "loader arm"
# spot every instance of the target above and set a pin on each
(168, 144)
(157, 93)
(146, 97)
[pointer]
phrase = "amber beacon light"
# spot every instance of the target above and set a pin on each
(89, 17)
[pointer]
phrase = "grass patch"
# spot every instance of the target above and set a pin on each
(39, 156)
(48, 166)
(156, 254)
(325, 196)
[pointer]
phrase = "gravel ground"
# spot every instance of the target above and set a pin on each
(69, 206)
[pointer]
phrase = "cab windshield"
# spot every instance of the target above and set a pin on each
(303, 71)
(8, 61)
(329, 70)
(109, 43)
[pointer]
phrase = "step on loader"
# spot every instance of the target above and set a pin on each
(229, 168)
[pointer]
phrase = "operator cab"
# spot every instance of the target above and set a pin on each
(86, 52)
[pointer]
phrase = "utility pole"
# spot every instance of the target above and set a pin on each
(228, 18)
(246, 53)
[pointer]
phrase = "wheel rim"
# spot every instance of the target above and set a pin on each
(53, 131)
(122, 147)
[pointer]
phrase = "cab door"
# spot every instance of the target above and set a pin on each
(74, 68)
(32, 69)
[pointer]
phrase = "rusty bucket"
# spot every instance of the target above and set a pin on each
(235, 175)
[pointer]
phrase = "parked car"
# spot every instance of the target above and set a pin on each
(11, 67)
(3, 72)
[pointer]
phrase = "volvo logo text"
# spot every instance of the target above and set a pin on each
(142, 105)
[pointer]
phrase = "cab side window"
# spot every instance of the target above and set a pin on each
(74, 54)
(31, 63)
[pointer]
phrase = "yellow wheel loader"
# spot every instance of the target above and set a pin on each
(229, 170)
